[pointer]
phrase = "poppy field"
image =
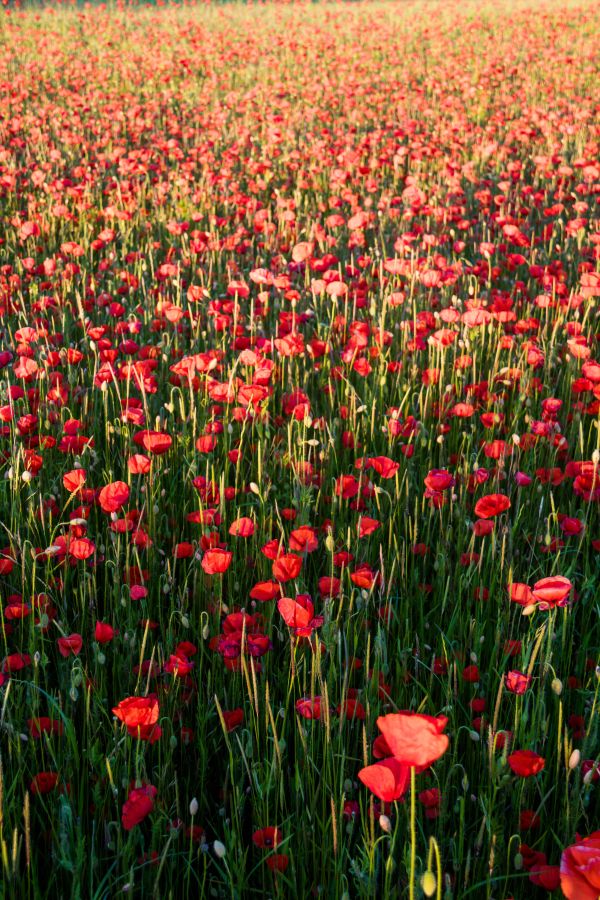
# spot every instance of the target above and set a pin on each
(300, 450)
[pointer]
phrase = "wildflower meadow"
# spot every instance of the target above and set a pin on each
(300, 450)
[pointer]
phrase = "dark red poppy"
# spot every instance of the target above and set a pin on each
(526, 763)
(491, 505)
(138, 805)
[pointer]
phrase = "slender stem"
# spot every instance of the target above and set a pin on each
(413, 836)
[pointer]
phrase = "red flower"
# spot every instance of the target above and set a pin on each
(15, 662)
(153, 441)
(545, 876)
(304, 539)
(74, 480)
(278, 862)
(414, 739)
(309, 708)
(438, 480)
(44, 725)
(471, 674)
(431, 800)
(491, 505)
(178, 665)
(138, 805)
(267, 838)
(367, 526)
(580, 869)
(384, 466)
(482, 527)
(265, 590)
(299, 614)
(526, 763)
(243, 527)
(138, 711)
(70, 645)
(233, 718)
(215, 562)
(529, 820)
(552, 591)
(516, 682)
(287, 567)
(520, 593)
(80, 548)
(43, 782)
(114, 496)
(387, 779)
(138, 464)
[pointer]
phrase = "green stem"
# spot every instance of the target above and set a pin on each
(413, 836)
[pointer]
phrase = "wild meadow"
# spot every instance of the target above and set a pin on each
(300, 450)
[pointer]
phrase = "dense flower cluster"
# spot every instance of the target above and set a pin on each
(299, 449)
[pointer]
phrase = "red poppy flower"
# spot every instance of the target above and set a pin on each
(287, 567)
(299, 614)
(520, 593)
(491, 505)
(114, 496)
(138, 805)
(414, 739)
(278, 862)
(367, 526)
(155, 442)
(43, 782)
(309, 708)
(138, 464)
(70, 645)
(80, 548)
(384, 466)
(304, 539)
(215, 562)
(526, 763)
(483, 527)
(265, 590)
(243, 527)
(74, 480)
(178, 665)
(44, 725)
(552, 591)
(545, 876)
(388, 779)
(267, 838)
(104, 633)
(580, 869)
(439, 480)
(516, 682)
(138, 711)
(233, 718)
(529, 820)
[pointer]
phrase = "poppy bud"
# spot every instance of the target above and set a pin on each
(385, 824)
(219, 849)
(428, 883)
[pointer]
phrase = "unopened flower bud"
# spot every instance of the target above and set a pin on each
(385, 824)
(219, 849)
(428, 883)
